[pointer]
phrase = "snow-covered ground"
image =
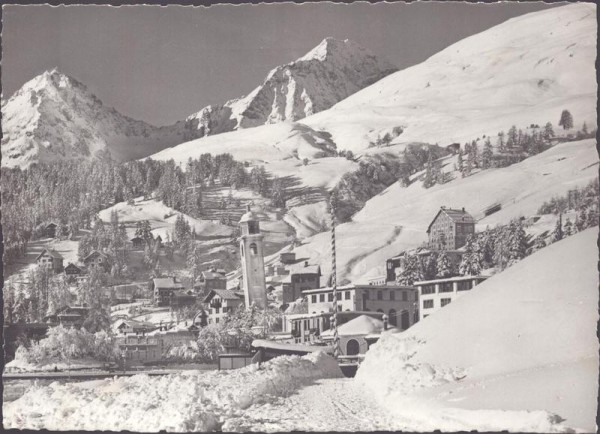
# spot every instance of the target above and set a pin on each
(397, 218)
(191, 401)
(521, 342)
(161, 218)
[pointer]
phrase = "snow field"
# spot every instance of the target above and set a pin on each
(514, 333)
(195, 401)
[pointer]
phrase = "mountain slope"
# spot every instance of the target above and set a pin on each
(525, 70)
(324, 76)
(524, 339)
(397, 218)
(54, 116)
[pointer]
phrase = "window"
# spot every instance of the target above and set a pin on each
(379, 295)
(346, 295)
(404, 296)
(217, 320)
(446, 287)
(366, 295)
(253, 249)
(427, 304)
(464, 285)
(392, 295)
(428, 289)
(321, 297)
(445, 301)
(330, 296)
(216, 310)
(313, 298)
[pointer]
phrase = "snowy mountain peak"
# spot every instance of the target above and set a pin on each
(327, 74)
(54, 116)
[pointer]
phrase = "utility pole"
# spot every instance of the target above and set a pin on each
(336, 338)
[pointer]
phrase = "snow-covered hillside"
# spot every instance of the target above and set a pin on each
(526, 70)
(522, 340)
(397, 218)
(327, 74)
(54, 117)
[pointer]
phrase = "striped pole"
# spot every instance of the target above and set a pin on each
(336, 338)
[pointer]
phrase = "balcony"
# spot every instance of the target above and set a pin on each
(216, 304)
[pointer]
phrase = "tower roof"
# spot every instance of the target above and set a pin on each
(249, 216)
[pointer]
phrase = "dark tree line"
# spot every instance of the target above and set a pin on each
(376, 174)
(71, 193)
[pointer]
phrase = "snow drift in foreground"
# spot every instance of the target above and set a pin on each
(523, 340)
(196, 401)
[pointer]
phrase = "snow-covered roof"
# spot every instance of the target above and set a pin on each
(451, 279)
(456, 215)
(51, 252)
(93, 254)
(359, 326)
(166, 282)
(212, 275)
(225, 294)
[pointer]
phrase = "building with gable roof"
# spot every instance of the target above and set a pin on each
(219, 302)
(50, 259)
(450, 228)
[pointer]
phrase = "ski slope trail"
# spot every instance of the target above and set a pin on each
(334, 404)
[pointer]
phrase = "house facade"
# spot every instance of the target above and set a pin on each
(96, 260)
(301, 278)
(435, 294)
(51, 260)
(450, 228)
(210, 280)
(163, 287)
(400, 303)
(219, 302)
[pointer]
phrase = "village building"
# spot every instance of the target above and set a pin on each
(51, 260)
(435, 294)
(96, 260)
(358, 334)
(50, 230)
(287, 257)
(211, 279)
(163, 287)
(302, 276)
(450, 228)
(129, 326)
(400, 303)
(73, 270)
(182, 298)
(68, 316)
(220, 302)
(137, 243)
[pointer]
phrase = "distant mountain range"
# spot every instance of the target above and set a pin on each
(54, 116)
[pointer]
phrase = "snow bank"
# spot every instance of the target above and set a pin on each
(194, 401)
(510, 336)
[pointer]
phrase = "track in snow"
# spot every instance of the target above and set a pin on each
(328, 405)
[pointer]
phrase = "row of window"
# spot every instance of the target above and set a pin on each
(428, 304)
(463, 285)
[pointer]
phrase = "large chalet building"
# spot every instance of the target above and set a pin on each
(450, 228)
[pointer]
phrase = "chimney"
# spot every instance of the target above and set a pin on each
(306, 263)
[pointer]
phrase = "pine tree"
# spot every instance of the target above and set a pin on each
(584, 129)
(487, 155)
(558, 230)
(568, 228)
(431, 271)
(468, 167)
(566, 120)
(460, 161)
(548, 131)
(511, 141)
(444, 265)
(501, 143)
(429, 180)
(517, 242)
(412, 270)
(471, 263)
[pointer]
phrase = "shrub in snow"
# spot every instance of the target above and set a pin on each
(63, 344)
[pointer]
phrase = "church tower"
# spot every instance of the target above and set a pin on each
(253, 266)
